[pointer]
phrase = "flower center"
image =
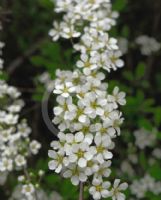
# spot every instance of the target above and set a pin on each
(103, 130)
(80, 112)
(99, 188)
(80, 154)
(94, 104)
(100, 149)
(87, 64)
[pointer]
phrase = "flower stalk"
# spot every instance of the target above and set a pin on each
(81, 191)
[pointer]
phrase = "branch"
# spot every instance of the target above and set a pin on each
(19, 61)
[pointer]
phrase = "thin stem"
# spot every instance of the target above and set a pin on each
(81, 189)
(71, 39)
(28, 177)
(26, 173)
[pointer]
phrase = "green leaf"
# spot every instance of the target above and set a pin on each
(140, 70)
(159, 135)
(119, 5)
(140, 96)
(46, 3)
(155, 171)
(152, 196)
(145, 84)
(38, 95)
(145, 123)
(157, 116)
(4, 76)
(128, 75)
(38, 61)
(142, 160)
(125, 31)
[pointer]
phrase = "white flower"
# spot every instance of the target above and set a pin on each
(54, 195)
(64, 89)
(148, 44)
(102, 145)
(11, 119)
(69, 32)
(6, 165)
(127, 168)
(94, 105)
(57, 162)
(39, 193)
(91, 168)
(28, 189)
(65, 107)
(114, 60)
(144, 138)
(20, 161)
(138, 189)
(35, 146)
(105, 129)
(60, 143)
(116, 120)
(103, 170)
(157, 153)
(117, 187)
(55, 33)
(87, 64)
(75, 173)
(81, 154)
(62, 5)
(23, 129)
(111, 43)
(99, 189)
(80, 112)
(21, 178)
(117, 97)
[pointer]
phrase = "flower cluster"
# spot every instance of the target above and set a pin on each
(39, 193)
(87, 115)
(29, 189)
(146, 184)
(96, 17)
(144, 138)
(148, 44)
(15, 144)
(145, 141)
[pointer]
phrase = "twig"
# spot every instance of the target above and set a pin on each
(36, 106)
(19, 61)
